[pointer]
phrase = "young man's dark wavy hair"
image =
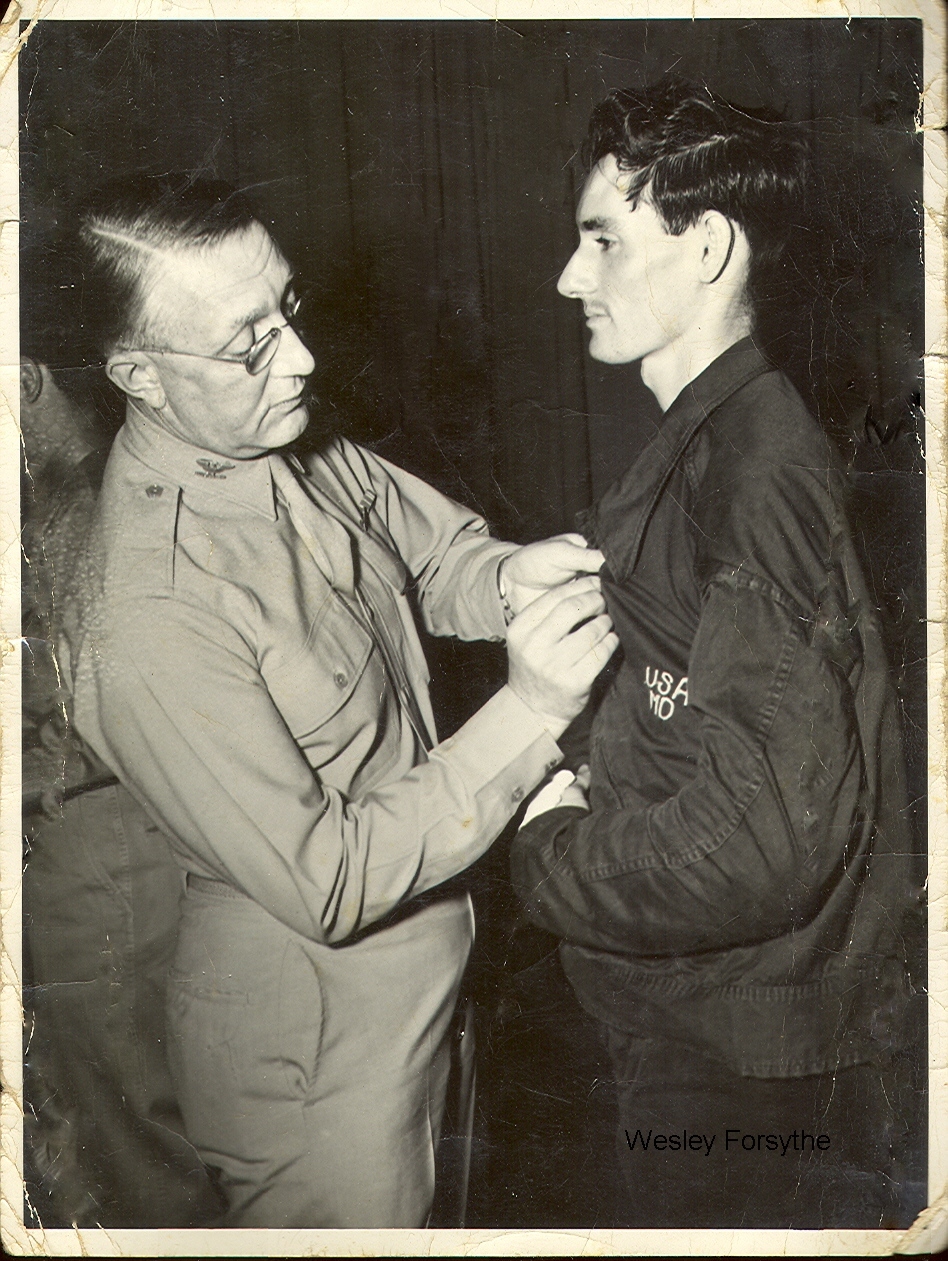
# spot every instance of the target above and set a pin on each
(688, 151)
(127, 223)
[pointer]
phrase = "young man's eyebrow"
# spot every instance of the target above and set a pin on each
(597, 224)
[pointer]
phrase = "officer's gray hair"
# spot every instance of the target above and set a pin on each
(130, 222)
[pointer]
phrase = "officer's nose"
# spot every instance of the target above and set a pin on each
(293, 358)
(575, 280)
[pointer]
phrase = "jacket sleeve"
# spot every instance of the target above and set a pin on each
(171, 696)
(446, 548)
(748, 846)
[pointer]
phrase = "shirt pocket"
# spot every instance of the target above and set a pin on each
(319, 682)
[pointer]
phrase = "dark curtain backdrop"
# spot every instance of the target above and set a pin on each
(423, 176)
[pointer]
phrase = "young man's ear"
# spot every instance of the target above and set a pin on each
(136, 376)
(719, 235)
(31, 380)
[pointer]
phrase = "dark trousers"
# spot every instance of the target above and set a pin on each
(544, 1133)
(700, 1146)
(103, 1135)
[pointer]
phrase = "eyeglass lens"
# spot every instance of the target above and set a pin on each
(262, 353)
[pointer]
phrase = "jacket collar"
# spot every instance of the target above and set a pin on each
(245, 484)
(617, 523)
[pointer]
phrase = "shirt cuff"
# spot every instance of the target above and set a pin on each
(503, 730)
(484, 591)
(504, 746)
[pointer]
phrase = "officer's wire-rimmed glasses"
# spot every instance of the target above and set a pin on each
(263, 351)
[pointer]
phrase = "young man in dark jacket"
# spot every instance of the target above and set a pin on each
(730, 897)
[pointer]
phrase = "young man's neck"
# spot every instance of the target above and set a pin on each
(669, 370)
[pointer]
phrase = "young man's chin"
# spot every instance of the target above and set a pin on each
(602, 352)
(606, 343)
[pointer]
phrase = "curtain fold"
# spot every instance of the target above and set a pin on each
(423, 176)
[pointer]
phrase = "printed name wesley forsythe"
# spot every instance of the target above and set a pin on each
(797, 1141)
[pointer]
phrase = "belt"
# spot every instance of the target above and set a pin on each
(33, 800)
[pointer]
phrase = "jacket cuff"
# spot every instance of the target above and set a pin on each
(534, 852)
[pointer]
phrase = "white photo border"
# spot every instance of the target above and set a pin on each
(930, 1233)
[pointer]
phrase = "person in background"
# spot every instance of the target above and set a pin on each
(731, 896)
(103, 1134)
(250, 669)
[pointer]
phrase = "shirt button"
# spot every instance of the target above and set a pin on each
(341, 680)
(517, 795)
(154, 492)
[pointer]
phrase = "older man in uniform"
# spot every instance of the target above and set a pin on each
(249, 667)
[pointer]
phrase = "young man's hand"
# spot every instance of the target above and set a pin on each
(564, 789)
(527, 573)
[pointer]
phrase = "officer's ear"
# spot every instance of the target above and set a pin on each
(31, 380)
(135, 374)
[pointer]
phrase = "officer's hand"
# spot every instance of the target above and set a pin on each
(556, 647)
(528, 572)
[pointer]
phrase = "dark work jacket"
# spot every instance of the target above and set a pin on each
(740, 879)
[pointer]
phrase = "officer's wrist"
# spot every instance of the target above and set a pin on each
(509, 614)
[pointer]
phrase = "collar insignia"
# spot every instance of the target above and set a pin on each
(215, 469)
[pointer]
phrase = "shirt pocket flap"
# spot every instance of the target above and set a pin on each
(320, 680)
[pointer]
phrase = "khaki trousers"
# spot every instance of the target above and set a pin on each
(313, 1078)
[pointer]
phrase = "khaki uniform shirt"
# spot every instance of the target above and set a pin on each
(249, 667)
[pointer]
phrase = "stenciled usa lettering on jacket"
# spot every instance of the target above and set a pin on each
(664, 692)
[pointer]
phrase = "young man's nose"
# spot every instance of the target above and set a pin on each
(574, 282)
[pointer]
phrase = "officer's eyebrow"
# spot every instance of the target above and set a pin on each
(258, 312)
